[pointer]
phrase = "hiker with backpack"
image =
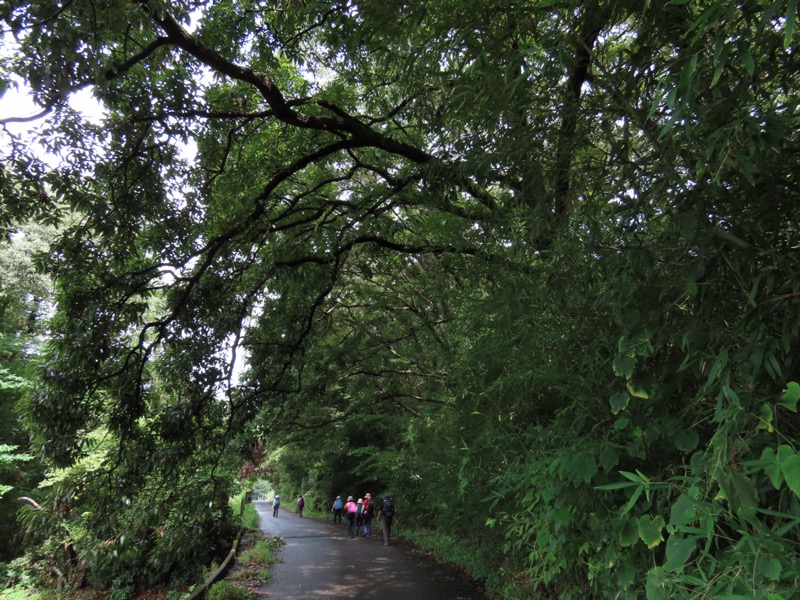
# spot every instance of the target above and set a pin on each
(276, 502)
(300, 505)
(387, 513)
(359, 515)
(350, 508)
(369, 512)
(336, 509)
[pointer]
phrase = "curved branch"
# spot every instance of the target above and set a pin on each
(214, 246)
(43, 113)
(30, 501)
(272, 94)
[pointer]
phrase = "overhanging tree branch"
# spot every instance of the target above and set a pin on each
(344, 124)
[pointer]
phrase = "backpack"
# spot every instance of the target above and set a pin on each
(338, 504)
(388, 508)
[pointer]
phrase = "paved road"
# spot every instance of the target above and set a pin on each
(319, 562)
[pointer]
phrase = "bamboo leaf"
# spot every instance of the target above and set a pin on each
(791, 20)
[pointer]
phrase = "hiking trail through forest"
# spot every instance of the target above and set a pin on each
(319, 561)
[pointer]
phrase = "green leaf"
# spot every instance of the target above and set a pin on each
(638, 343)
(619, 402)
(686, 440)
(790, 468)
(629, 533)
(621, 423)
(739, 491)
(720, 362)
(731, 238)
(583, 468)
(619, 485)
(747, 60)
(785, 452)
(791, 19)
(672, 96)
(650, 530)
(626, 574)
(765, 416)
(772, 467)
(682, 511)
(608, 459)
(678, 551)
(770, 568)
(637, 477)
(634, 497)
(790, 396)
(623, 365)
(638, 390)
(655, 585)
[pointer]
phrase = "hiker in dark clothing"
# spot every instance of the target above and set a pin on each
(387, 514)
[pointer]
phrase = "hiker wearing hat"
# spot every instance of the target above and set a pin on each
(387, 513)
(336, 509)
(350, 508)
(276, 502)
(359, 515)
(369, 512)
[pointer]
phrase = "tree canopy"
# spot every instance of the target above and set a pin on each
(530, 264)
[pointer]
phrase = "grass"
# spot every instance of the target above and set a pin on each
(225, 590)
(249, 516)
(16, 593)
(251, 570)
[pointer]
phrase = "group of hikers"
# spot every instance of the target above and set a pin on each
(359, 514)
(276, 503)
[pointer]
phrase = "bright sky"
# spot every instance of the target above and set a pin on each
(18, 103)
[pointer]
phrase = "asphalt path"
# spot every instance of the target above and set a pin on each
(319, 561)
